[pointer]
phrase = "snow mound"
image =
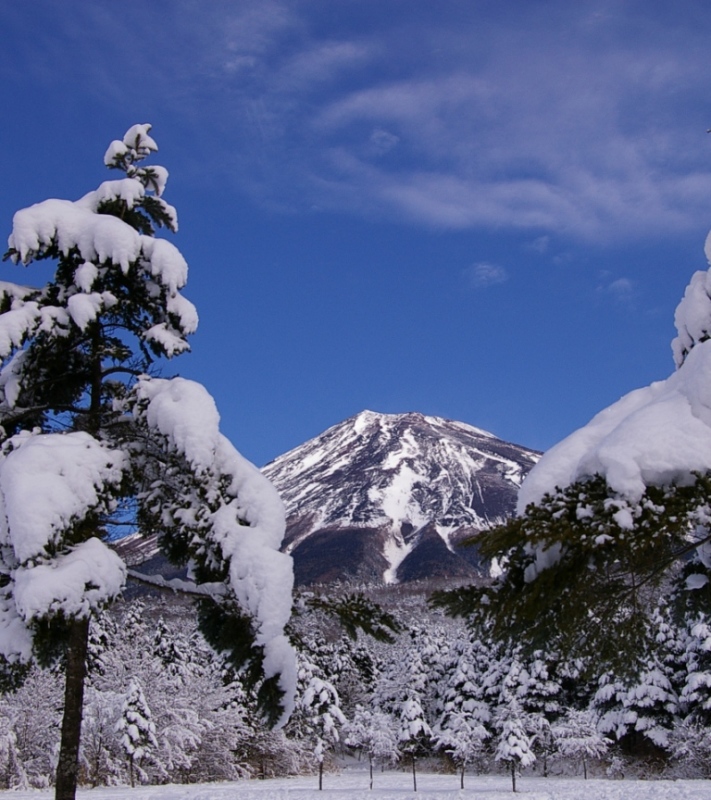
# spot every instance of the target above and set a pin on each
(657, 435)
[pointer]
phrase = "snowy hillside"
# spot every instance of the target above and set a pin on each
(388, 496)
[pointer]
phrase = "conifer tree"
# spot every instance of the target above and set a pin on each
(586, 569)
(696, 691)
(101, 756)
(90, 442)
(137, 729)
(461, 736)
(12, 771)
(612, 518)
(513, 744)
(323, 717)
(577, 736)
(374, 733)
(461, 728)
(414, 732)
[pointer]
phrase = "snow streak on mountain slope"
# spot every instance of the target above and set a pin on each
(388, 496)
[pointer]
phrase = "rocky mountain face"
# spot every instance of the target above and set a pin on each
(389, 497)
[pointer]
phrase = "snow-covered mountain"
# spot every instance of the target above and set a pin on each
(388, 497)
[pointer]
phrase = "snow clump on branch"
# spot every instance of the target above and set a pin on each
(657, 435)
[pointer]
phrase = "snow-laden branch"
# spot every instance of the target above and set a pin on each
(178, 585)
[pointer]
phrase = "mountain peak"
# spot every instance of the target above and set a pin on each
(396, 476)
(366, 418)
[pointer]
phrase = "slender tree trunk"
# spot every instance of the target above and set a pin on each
(77, 646)
(320, 775)
(461, 777)
(97, 763)
(414, 773)
(585, 769)
(513, 775)
(68, 764)
(370, 761)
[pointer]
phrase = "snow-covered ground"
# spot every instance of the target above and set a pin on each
(353, 785)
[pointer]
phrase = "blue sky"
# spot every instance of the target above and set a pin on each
(485, 211)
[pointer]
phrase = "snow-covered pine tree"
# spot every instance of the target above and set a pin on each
(513, 744)
(414, 732)
(638, 708)
(35, 709)
(101, 629)
(374, 733)
(137, 729)
(321, 709)
(101, 756)
(653, 703)
(535, 686)
(172, 651)
(461, 728)
(696, 691)
(462, 737)
(577, 736)
(133, 622)
(403, 676)
(90, 442)
(433, 645)
(12, 770)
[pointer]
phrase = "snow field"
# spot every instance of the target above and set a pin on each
(353, 785)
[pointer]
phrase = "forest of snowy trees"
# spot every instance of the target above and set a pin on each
(162, 706)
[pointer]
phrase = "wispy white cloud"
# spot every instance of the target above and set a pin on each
(484, 274)
(621, 290)
(622, 287)
(585, 120)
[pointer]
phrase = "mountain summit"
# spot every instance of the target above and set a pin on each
(388, 497)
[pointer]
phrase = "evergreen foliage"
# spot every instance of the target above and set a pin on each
(137, 730)
(513, 744)
(585, 567)
(355, 612)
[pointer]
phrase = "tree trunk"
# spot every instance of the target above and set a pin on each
(513, 775)
(585, 769)
(320, 775)
(68, 764)
(414, 773)
(370, 760)
(461, 777)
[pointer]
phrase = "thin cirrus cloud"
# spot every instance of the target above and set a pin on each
(509, 155)
(584, 120)
(536, 136)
